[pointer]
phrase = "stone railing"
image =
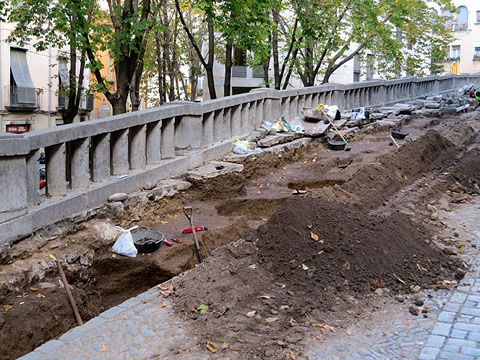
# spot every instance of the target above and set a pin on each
(87, 162)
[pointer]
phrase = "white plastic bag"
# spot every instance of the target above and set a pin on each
(124, 244)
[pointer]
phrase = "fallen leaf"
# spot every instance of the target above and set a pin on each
(114, 256)
(415, 288)
(304, 267)
(271, 319)
(225, 346)
(281, 343)
(34, 289)
(167, 289)
(292, 261)
(182, 351)
(396, 277)
(253, 266)
(7, 307)
(349, 332)
(320, 252)
(293, 322)
(421, 268)
(462, 249)
(428, 307)
(320, 338)
(313, 236)
(104, 348)
(202, 308)
(163, 304)
(293, 356)
(373, 189)
(251, 314)
(263, 219)
(40, 296)
(211, 346)
(264, 297)
(379, 283)
(52, 257)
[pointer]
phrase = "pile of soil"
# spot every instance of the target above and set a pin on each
(467, 171)
(316, 260)
(283, 271)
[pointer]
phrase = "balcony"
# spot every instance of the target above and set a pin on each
(86, 103)
(239, 71)
(22, 99)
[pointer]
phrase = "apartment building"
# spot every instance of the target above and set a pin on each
(29, 87)
(464, 51)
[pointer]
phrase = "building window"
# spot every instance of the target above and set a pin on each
(455, 52)
(476, 54)
(449, 21)
(22, 91)
(462, 19)
(239, 62)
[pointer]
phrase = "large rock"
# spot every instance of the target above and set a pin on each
(432, 105)
(118, 197)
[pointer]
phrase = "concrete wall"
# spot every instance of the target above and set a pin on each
(119, 153)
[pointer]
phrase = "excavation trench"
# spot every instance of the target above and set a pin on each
(259, 204)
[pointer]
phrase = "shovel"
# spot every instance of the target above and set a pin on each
(348, 148)
(188, 211)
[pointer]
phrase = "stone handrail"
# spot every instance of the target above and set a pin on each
(87, 162)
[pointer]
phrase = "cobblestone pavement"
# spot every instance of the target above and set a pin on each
(144, 328)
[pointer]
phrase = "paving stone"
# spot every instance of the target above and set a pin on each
(452, 356)
(31, 356)
(95, 322)
(442, 329)
(470, 311)
(447, 316)
(458, 342)
(428, 353)
(467, 327)
(458, 334)
(435, 341)
(471, 351)
(474, 336)
(112, 312)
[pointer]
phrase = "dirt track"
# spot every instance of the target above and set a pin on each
(371, 219)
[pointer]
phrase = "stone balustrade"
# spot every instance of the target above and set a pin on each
(87, 162)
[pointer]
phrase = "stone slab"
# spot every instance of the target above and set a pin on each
(213, 170)
(279, 138)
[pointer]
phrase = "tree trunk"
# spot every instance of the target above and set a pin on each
(228, 70)
(276, 64)
(211, 59)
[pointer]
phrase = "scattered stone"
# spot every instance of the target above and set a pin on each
(118, 197)
(116, 206)
(418, 302)
(432, 105)
(400, 299)
(449, 250)
(150, 185)
(379, 292)
(434, 216)
(459, 274)
(269, 353)
(413, 310)
(213, 170)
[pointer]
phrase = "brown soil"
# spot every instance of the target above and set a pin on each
(283, 274)
(360, 228)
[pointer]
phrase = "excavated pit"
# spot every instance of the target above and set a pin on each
(261, 198)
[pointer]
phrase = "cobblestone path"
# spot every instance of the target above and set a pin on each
(144, 328)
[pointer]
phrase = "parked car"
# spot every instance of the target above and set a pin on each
(43, 178)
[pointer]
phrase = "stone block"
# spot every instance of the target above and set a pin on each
(212, 170)
(13, 191)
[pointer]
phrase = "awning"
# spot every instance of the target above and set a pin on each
(19, 68)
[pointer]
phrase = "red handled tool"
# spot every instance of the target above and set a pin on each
(198, 228)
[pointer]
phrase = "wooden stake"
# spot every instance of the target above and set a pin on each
(69, 293)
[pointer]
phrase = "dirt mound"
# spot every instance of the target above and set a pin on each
(283, 271)
(371, 185)
(467, 171)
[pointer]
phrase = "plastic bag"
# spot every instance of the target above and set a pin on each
(360, 114)
(241, 147)
(124, 244)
